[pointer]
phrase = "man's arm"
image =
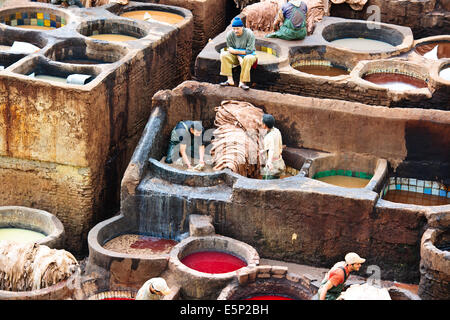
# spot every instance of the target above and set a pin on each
(184, 155)
(279, 19)
(323, 293)
(250, 48)
(201, 151)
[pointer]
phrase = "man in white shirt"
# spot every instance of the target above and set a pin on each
(273, 147)
(153, 289)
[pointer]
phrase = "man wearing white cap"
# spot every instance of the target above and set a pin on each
(334, 281)
(153, 289)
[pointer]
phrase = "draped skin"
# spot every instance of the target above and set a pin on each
(237, 139)
(30, 266)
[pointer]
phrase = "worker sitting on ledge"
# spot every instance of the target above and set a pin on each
(240, 51)
(153, 289)
(334, 281)
(188, 139)
(292, 17)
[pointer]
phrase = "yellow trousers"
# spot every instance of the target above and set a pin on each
(228, 61)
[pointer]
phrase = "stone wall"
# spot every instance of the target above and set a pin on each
(297, 219)
(425, 18)
(64, 148)
(435, 266)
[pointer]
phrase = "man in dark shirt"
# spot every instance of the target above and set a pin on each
(292, 17)
(188, 135)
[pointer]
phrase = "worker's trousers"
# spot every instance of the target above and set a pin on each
(228, 61)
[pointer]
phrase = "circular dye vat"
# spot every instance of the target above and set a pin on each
(409, 197)
(395, 81)
(112, 37)
(213, 262)
(362, 44)
(35, 27)
(322, 70)
(20, 235)
(434, 50)
(345, 181)
(445, 73)
(113, 295)
(161, 16)
(269, 297)
(265, 57)
(139, 244)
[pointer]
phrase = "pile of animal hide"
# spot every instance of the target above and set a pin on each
(260, 16)
(98, 3)
(354, 4)
(243, 3)
(365, 292)
(237, 139)
(30, 266)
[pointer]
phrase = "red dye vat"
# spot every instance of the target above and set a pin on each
(269, 297)
(153, 243)
(396, 81)
(213, 262)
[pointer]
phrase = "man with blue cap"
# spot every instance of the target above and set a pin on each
(240, 51)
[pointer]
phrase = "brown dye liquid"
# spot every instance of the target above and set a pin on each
(322, 70)
(162, 16)
(345, 181)
(395, 81)
(409, 197)
(112, 37)
(35, 27)
(153, 243)
(139, 244)
(443, 49)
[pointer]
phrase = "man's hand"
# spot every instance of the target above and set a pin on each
(235, 51)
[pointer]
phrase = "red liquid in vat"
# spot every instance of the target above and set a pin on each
(213, 262)
(395, 81)
(269, 297)
(155, 244)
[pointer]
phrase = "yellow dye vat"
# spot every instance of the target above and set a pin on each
(112, 37)
(161, 16)
(345, 181)
(20, 235)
